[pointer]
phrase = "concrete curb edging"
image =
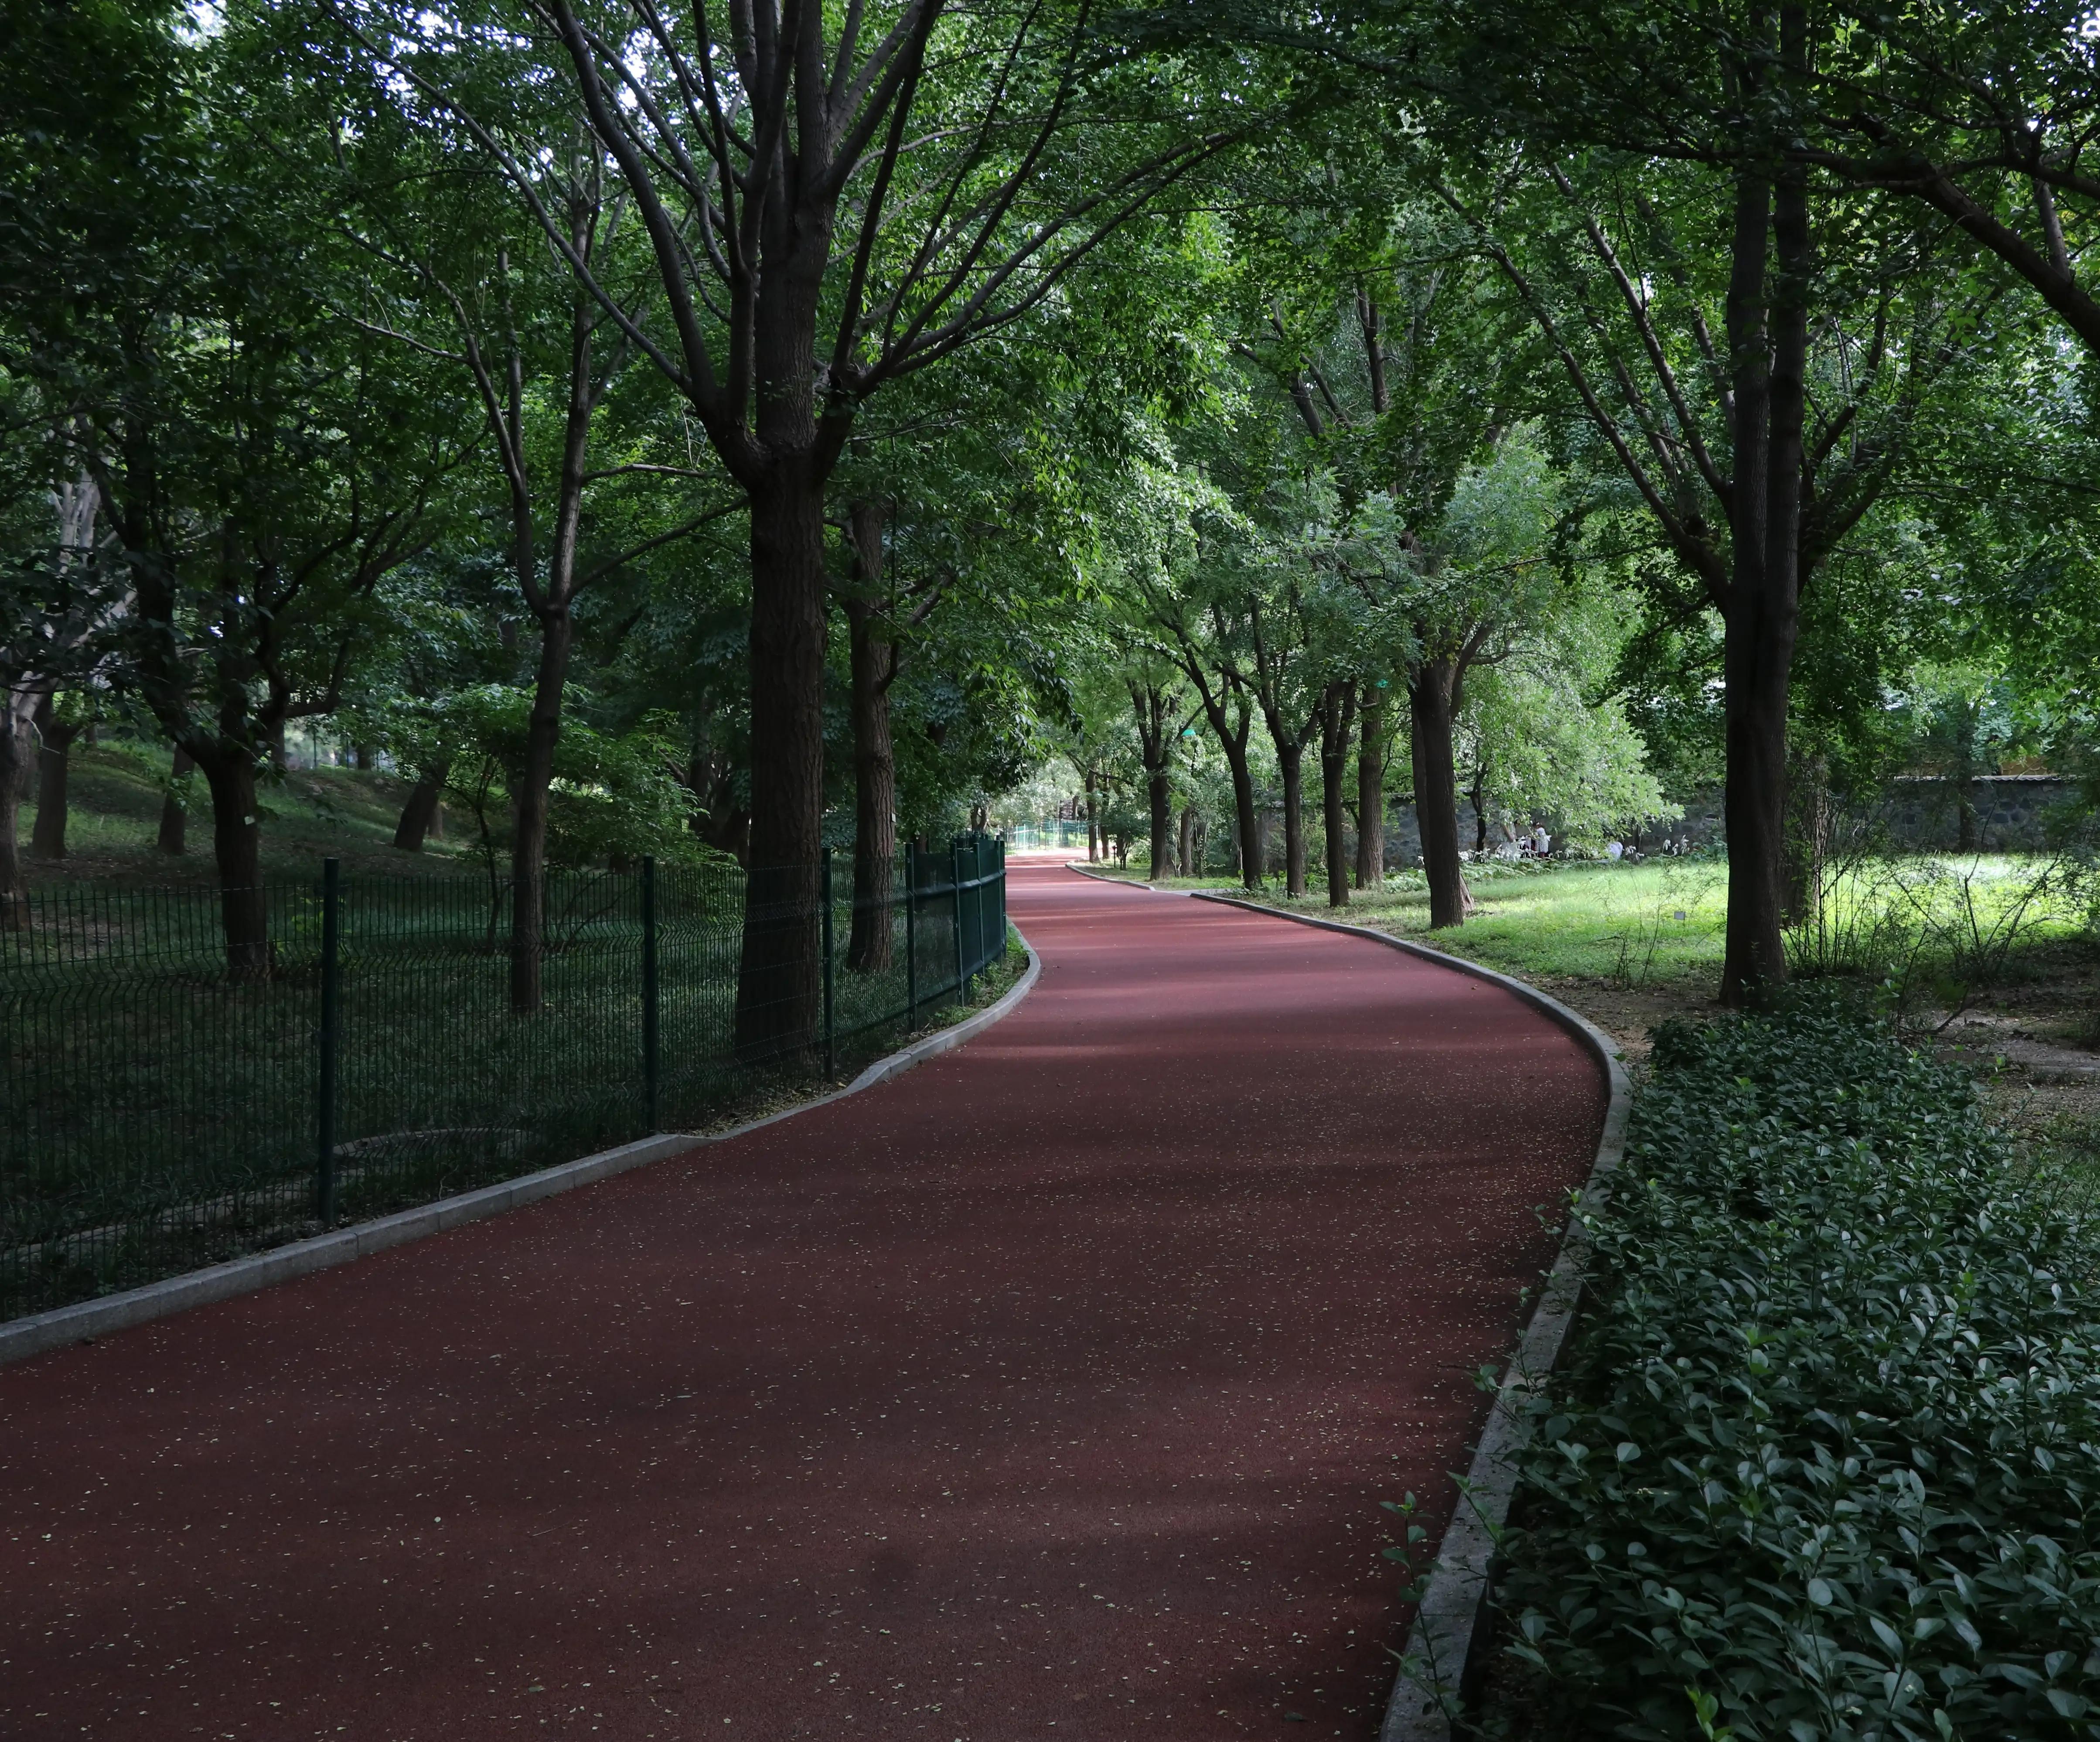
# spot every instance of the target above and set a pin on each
(1121, 883)
(1449, 1645)
(38, 1332)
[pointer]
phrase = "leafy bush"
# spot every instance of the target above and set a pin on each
(1823, 1459)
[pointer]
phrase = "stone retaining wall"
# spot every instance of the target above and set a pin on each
(2014, 814)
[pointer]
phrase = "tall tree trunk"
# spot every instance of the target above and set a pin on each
(1762, 622)
(1292, 762)
(1159, 790)
(873, 658)
(53, 763)
(1337, 716)
(1370, 793)
(780, 978)
(1245, 816)
(14, 764)
(528, 844)
(1184, 857)
(236, 838)
(420, 811)
(1478, 793)
(1155, 730)
(1433, 698)
(174, 820)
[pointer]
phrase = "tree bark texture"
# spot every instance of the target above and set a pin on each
(780, 978)
(53, 763)
(528, 842)
(1762, 622)
(420, 811)
(1370, 793)
(1184, 857)
(1337, 717)
(175, 820)
(1155, 738)
(873, 658)
(14, 765)
(236, 839)
(1432, 696)
(1291, 761)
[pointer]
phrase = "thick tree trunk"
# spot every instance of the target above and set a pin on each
(780, 978)
(1245, 818)
(1292, 763)
(873, 660)
(1370, 793)
(1159, 790)
(1337, 717)
(53, 764)
(528, 843)
(1762, 622)
(174, 820)
(1155, 740)
(236, 841)
(420, 812)
(14, 890)
(1754, 966)
(1432, 695)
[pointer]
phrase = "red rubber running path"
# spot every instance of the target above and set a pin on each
(1048, 1391)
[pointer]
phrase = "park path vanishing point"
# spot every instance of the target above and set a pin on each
(1049, 1390)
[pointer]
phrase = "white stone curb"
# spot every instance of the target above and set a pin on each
(21, 1338)
(1449, 1644)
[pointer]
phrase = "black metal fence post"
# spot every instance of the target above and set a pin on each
(986, 956)
(911, 934)
(955, 879)
(831, 1030)
(650, 1077)
(331, 1037)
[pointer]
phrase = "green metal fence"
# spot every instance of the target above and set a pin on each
(156, 1114)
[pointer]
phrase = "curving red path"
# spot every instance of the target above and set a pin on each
(1049, 1390)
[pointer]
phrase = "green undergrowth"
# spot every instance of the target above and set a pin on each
(1823, 1458)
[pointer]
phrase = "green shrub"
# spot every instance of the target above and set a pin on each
(1824, 1457)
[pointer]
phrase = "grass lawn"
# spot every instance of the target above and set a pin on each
(113, 820)
(1628, 944)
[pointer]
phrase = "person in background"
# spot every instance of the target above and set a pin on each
(1541, 840)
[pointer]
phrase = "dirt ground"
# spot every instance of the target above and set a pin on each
(2030, 1043)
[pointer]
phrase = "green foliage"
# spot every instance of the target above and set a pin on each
(615, 797)
(1821, 1461)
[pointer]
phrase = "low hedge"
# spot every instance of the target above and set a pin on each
(1822, 1460)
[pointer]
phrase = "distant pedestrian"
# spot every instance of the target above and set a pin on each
(1541, 842)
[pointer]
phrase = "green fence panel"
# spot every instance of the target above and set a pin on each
(157, 1114)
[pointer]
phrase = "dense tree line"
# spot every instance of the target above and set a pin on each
(731, 434)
